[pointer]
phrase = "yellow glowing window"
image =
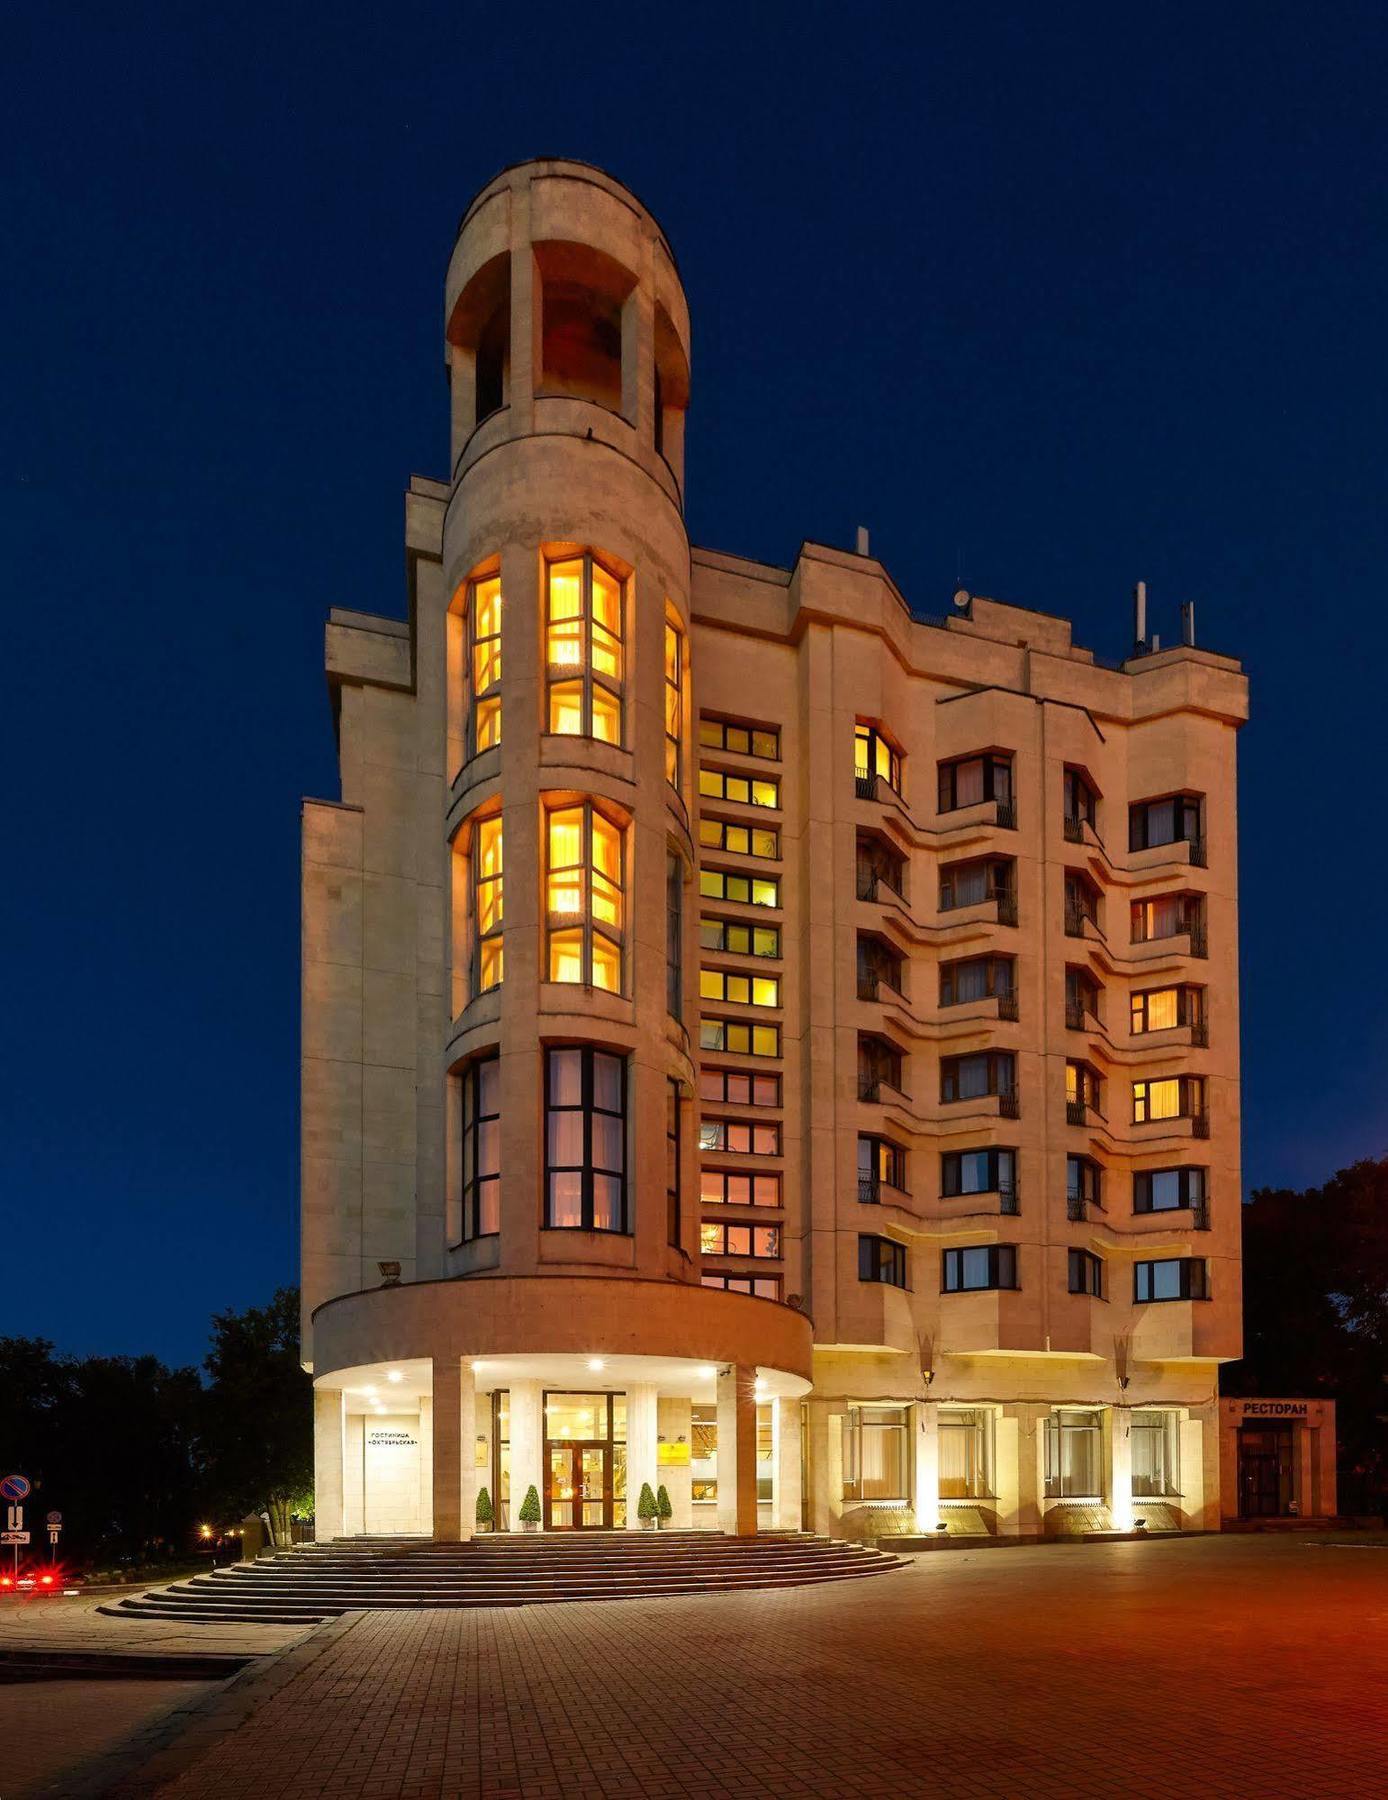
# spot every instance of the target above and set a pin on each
(745, 790)
(873, 755)
(745, 740)
(584, 897)
(744, 990)
(1156, 1100)
(740, 1039)
(487, 903)
(749, 890)
(583, 649)
(674, 703)
(484, 662)
(741, 840)
(1157, 1010)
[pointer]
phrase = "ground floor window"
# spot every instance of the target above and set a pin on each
(1155, 1441)
(501, 1457)
(876, 1445)
(966, 1453)
(1074, 1447)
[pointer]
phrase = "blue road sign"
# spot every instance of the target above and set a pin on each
(14, 1487)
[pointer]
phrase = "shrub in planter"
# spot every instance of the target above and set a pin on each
(530, 1508)
(663, 1508)
(485, 1514)
(647, 1508)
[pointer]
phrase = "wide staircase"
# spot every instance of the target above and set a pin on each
(320, 1581)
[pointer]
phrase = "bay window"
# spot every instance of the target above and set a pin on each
(979, 1268)
(1086, 1273)
(585, 1139)
(1169, 1190)
(584, 899)
(1171, 1278)
(487, 904)
(881, 1163)
(968, 780)
(975, 1077)
(1080, 798)
(716, 1239)
(1172, 1097)
(483, 627)
(583, 648)
(881, 1260)
(976, 978)
(972, 883)
(991, 1171)
(1167, 915)
(874, 759)
(1163, 1009)
(1173, 820)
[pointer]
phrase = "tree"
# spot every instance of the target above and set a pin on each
(663, 1507)
(530, 1506)
(1315, 1284)
(258, 1413)
(485, 1514)
(646, 1507)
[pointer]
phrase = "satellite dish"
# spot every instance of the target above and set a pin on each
(962, 598)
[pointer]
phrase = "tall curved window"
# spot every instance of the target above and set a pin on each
(585, 1140)
(482, 1149)
(583, 649)
(487, 903)
(674, 704)
(584, 898)
(484, 663)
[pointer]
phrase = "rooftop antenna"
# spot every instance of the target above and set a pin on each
(1140, 616)
(1188, 623)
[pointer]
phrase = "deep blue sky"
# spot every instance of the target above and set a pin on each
(1050, 298)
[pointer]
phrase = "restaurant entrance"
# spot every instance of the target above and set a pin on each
(585, 1462)
(1265, 1471)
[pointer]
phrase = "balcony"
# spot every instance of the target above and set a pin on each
(1200, 1215)
(1074, 1015)
(869, 1190)
(1007, 907)
(1200, 1125)
(1074, 830)
(1007, 1200)
(1200, 1033)
(1009, 1106)
(1076, 1208)
(1007, 815)
(872, 883)
(1076, 1112)
(865, 787)
(1198, 943)
(1008, 1007)
(1199, 858)
(1076, 919)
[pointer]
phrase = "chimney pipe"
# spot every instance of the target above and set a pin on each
(1188, 623)
(1140, 614)
(862, 545)
(1156, 643)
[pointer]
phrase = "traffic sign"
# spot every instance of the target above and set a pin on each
(14, 1487)
(55, 1518)
(53, 1531)
(14, 1537)
(14, 1518)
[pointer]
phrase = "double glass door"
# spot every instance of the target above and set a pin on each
(579, 1493)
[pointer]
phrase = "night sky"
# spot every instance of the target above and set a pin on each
(1051, 299)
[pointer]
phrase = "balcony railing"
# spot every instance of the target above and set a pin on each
(1075, 917)
(1200, 1215)
(1199, 945)
(865, 787)
(1009, 1106)
(1074, 831)
(1007, 815)
(871, 881)
(1007, 1200)
(1076, 1208)
(1008, 1007)
(1198, 856)
(869, 1190)
(1007, 907)
(1074, 1015)
(1200, 1125)
(1200, 1033)
(1076, 1112)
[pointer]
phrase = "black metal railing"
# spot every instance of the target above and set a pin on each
(1008, 1008)
(1007, 907)
(869, 1190)
(869, 1088)
(1199, 944)
(1074, 1015)
(1076, 1112)
(1200, 1033)
(1007, 814)
(1009, 1106)
(1198, 857)
(1076, 1208)
(1074, 831)
(1007, 1200)
(1200, 1215)
(865, 787)
(1075, 917)
(1200, 1125)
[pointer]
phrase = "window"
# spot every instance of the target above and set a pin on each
(976, 978)
(1083, 1183)
(974, 883)
(739, 840)
(1083, 1088)
(873, 756)
(583, 649)
(881, 1163)
(1081, 998)
(1155, 1444)
(482, 1149)
(745, 790)
(674, 934)
(876, 1453)
(734, 1087)
(487, 903)
(974, 1077)
(1074, 1449)
(765, 1287)
(585, 1140)
(672, 1160)
(585, 898)
(1173, 1097)
(738, 1187)
(1171, 1278)
(739, 1038)
(966, 1453)
(881, 1259)
(674, 705)
(739, 1240)
(1174, 820)
(879, 966)
(1086, 1274)
(484, 663)
(980, 1267)
(738, 938)
(1169, 1190)
(745, 990)
(1081, 903)
(879, 1065)
(1080, 798)
(739, 1137)
(972, 779)
(1162, 1009)
(1169, 915)
(747, 890)
(878, 865)
(745, 740)
(991, 1171)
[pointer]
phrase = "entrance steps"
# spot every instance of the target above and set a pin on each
(319, 1581)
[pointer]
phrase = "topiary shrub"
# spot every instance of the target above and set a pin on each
(647, 1507)
(530, 1508)
(485, 1514)
(663, 1508)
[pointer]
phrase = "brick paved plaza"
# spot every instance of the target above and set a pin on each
(1232, 1666)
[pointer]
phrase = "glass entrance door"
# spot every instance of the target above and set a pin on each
(579, 1492)
(1265, 1471)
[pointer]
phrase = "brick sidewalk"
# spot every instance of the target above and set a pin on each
(1205, 1666)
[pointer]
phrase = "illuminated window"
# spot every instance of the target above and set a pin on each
(736, 1087)
(1155, 1454)
(744, 740)
(1074, 1450)
(745, 990)
(742, 840)
(881, 1163)
(1084, 1179)
(747, 890)
(1083, 1086)
(738, 939)
(972, 779)
(740, 1240)
(976, 1269)
(874, 757)
(1171, 1278)
(585, 1140)
(1174, 1097)
(738, 1137)
(674, 704)
(482, 1149)
(765, 1287)
(584, 898)
(583, 649)
(739, 1039)
(484, 663)
(1162, 1009)
(1169, 1190)
(733, 1187)
(1086, 1274)
(487, 903)
(966, 1453)
(877, 1453)
(881, 1259)
(745, 790)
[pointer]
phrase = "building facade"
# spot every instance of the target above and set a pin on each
(755, 1040)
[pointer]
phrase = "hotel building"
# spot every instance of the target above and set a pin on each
(756, 1039)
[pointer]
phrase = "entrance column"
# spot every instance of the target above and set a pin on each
(642, 1415)
(454, 1437)
(329, 1429)
(785, 1464)
(737, 1450)
(927, 1465)
(1304, 1490)
(527, 1447)
(1120, 1490)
